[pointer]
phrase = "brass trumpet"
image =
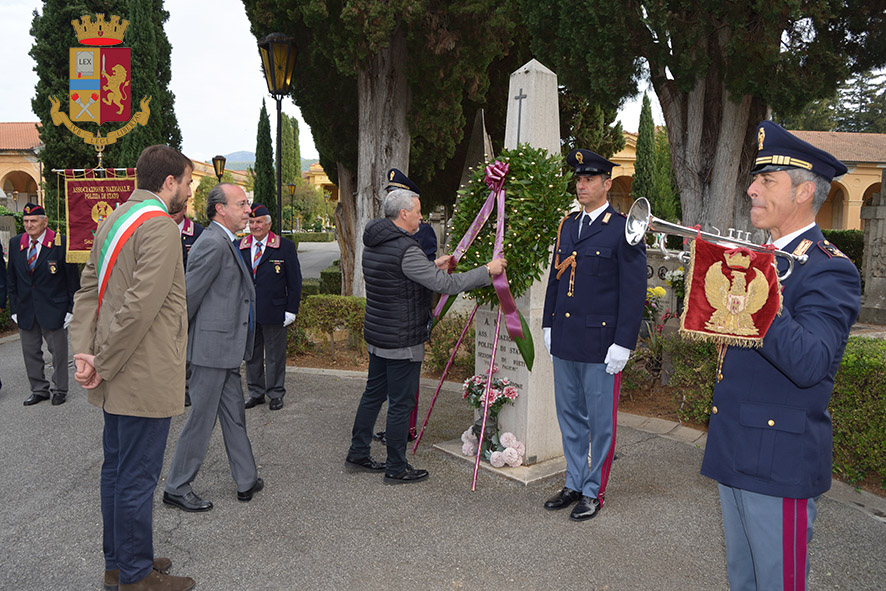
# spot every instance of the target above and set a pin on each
(640, 221)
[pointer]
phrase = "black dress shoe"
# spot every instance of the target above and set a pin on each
(586, 508)
(34, 399)
(254, 401)
(407, 476)
(412, 435)
(562, 499)
(187, 502)
(246, 495)
(187, 399)
(380, 436)
(276, 404)
(59, 399)
(367, 464)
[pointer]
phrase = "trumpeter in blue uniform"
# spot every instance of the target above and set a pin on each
(592, 315)
(41, 298)
(277, 277)
(769, 444)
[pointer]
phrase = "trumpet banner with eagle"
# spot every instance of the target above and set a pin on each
(732, 295)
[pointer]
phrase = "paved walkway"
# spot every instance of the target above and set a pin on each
(318, 526)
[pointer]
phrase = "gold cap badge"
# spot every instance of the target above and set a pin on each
(579, 158)
(761, 135)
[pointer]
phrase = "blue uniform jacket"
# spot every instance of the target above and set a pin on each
(608, 291)
(191, 230)
(770, 430)
(47, 294)
(277, 278)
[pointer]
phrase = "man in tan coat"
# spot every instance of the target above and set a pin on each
(129, 335)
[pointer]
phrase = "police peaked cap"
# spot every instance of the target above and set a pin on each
(258, 210)
(398, 180)
(588, 163)
(780, 150)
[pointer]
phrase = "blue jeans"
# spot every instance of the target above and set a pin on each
(133, 449)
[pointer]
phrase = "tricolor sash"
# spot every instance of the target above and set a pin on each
(119, 233)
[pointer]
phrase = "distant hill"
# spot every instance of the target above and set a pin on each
(243, 159)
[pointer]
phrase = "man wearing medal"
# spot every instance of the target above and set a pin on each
(769, 443)
(276, 274)
(41, 298)
(592, 315)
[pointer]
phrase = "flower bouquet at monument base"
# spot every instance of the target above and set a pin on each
(494, 446)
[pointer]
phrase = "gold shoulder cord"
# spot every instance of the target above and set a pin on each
(567, 262)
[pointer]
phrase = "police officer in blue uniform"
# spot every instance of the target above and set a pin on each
(277, 276)
(592, 315)
(769, 443)
(190, 231)
(41, 298)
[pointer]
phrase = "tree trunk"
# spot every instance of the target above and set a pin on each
(710, 133)
(346, 223)
(384, 137)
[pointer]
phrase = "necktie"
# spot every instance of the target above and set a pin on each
(32, 256)
(585, 224)
(257, 256)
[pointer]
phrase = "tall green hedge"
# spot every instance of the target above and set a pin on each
(858, 405)
(850, 242)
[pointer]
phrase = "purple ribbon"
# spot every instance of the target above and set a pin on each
(495, 180)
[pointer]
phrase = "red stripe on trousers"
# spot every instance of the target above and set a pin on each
(607, 464)
(794, 522)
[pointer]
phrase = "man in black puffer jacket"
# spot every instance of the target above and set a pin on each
(400, 281)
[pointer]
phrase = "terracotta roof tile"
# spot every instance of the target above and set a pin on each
(848, 147)
(19, 136)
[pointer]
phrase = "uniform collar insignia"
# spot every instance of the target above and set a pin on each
(606, 217)
(48, 237)
(802, 247)
(187, 227)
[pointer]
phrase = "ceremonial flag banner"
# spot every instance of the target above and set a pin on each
(88, 203)
(99, 86)
(732, 295)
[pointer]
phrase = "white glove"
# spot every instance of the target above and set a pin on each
(288, 318)
(14, 318)
(547, 331)
(616, 358)
(68, 317)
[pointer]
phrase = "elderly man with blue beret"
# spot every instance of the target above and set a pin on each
(769, 445)
(592, 314)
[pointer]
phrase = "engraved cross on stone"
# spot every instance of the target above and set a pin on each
(519, 98)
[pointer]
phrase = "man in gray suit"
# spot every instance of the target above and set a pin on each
(221, 320)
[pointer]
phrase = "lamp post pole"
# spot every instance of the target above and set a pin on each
(279, 165)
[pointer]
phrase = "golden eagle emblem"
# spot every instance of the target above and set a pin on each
(734, 302)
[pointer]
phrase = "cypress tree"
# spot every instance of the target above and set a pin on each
(265, 179)
(287, 164)
(644, 167)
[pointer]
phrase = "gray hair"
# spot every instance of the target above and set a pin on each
(822, 185)
(396, 200)
(217, 196)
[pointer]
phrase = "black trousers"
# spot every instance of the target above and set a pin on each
(396, 381)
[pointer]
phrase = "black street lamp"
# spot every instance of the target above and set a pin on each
(278, 59)
(218, 163)
(291, 188)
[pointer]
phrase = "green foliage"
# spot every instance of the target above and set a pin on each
(201, 194)
(301, 209)
(151, 74)
(587, 125)
(858, 409)
(644, 167)
(311, 237)
(265, 175)
(818, 115)
(536, 199)
(309, 287)
(289, 169)
(442, 343)
(330, 279)
(850, 243)
(329, 313)
(665, 195)
(693, 377)
(862, 104)
(17, 216)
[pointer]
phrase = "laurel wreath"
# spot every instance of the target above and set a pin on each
(536, 199)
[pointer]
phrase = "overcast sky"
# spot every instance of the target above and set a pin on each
(216, 76)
